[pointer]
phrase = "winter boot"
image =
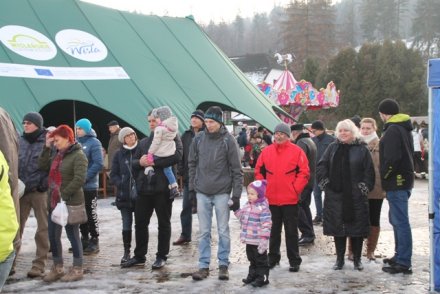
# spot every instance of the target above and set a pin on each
(126, 238)
(372, 242)
(260, 281)
(252, 275)
(56, 273)
(75, 274)
(357, 252)
(174, 191)
(340, 244)
(93, 246)
(350, 250)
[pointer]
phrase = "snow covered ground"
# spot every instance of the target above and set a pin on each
(103, 274)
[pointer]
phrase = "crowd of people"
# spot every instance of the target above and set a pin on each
(355, 169)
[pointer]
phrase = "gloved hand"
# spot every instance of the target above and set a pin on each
(235, 205)
(150, 158)
(364, 189)
(263, 246)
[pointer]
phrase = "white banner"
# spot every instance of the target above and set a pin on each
(62, 73)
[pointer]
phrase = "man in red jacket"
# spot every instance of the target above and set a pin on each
(286, 169)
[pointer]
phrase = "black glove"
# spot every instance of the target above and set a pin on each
(364, 189)
(323, 184)
(235, 204)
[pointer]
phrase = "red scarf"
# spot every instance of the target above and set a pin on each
(55, 179)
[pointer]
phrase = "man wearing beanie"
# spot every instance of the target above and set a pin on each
(92, 148)
(214, 173)
(113, 144)
(397, 177)
(35, 197)
(286, 170)
(305, 222)
(321, 140)
(189, 202)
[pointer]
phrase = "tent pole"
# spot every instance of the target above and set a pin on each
(430, 193)
(74, 118)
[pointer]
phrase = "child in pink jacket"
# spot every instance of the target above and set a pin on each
(256, 222)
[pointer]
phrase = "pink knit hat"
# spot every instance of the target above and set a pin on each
(260, 187)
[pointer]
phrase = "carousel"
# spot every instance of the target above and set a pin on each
(296, 97)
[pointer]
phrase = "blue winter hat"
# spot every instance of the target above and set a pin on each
(84, 124)
(214, 113)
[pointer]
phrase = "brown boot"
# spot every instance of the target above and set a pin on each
(372, 242)
(350, 250)
(75, 274)
(56, 272)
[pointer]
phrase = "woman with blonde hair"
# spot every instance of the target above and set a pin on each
(346, 174)
(376, 196)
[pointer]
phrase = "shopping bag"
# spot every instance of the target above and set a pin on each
(60, 214)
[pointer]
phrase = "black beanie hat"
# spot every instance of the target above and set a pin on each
(356, 119)
(199, 114)
(389, 106)
(35, 118)
(297, 127)
(215, 113)
(318, 125)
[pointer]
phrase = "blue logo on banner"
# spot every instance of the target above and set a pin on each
(44, 72)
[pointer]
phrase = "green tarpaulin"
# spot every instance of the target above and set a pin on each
(150, 61)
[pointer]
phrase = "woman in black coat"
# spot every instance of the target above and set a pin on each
(122, 177)
(346, 174)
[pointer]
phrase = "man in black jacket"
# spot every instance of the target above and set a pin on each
(396, 150)
(197, 124)
(305, 223)
(153, 196)
(321, 140)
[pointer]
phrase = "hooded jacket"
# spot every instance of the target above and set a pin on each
(214, 164)
(308, 146)
(73, 173)
(286, 169)
(92, 148)
(396, 150)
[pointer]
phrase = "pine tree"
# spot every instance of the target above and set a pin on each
(426, 27)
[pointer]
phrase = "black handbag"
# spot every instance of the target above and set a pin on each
(132, 188)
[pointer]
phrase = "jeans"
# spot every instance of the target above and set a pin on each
(286, 215)
(127, 218)
(72, 232)
(399, 219)
(205, 204)
(305, 222)
(186, 215)
(168, 171)
(92, 224)
(5, 268)
(317, 194)
(144, 208)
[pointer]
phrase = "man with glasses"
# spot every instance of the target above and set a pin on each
(35, 197)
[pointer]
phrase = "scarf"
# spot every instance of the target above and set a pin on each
(130, 148)
(367, 139)
(55, 179)
(32, 137)
(340, 180)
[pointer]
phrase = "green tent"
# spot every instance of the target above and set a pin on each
(68, 59)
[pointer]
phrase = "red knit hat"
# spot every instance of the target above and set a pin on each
(64, 131)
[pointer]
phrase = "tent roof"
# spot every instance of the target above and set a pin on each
(169, 61)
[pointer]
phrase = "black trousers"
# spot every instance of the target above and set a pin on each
(286, 215)
(144, 208)
(259, 266)
(92, 225)
(305, 222)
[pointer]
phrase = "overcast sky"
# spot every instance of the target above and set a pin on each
(203, 10)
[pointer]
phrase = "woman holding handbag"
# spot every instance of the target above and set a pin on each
(67, 174)
(122, 177)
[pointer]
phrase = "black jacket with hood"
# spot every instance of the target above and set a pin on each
(396, 150)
